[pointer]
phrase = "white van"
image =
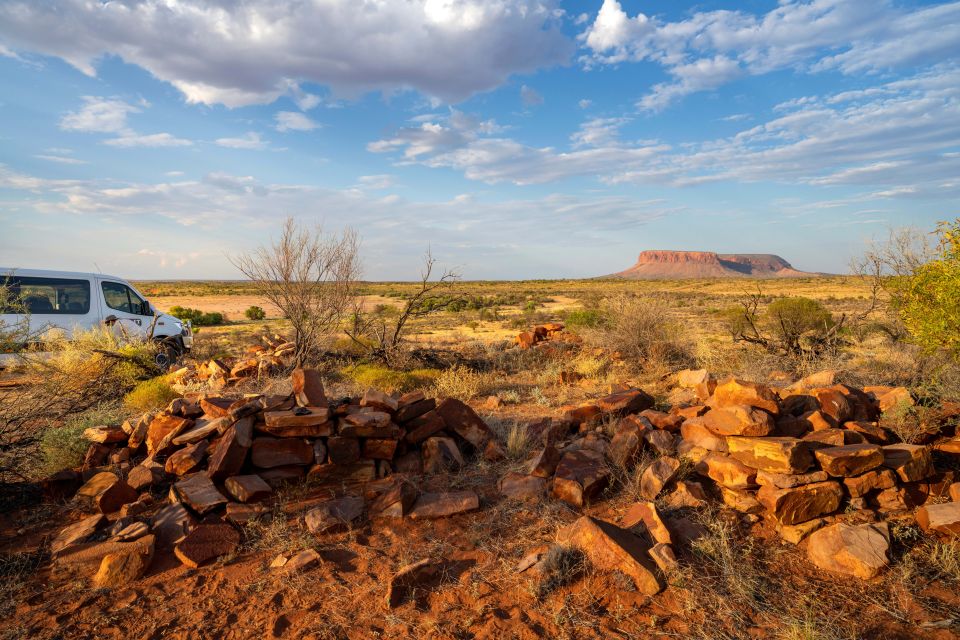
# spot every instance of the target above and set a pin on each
(72, 301)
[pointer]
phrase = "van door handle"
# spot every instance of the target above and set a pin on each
(109, 320)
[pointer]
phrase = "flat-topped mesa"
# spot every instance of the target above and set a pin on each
(664, 264)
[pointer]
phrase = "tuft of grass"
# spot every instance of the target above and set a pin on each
(561, 566)
(460, 383)
(151, 394)
(389, 380)
(518, 442)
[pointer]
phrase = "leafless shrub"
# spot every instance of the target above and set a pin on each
(311, 277)
(382, 335)
(643, 332)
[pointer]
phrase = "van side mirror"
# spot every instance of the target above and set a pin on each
(146, 309)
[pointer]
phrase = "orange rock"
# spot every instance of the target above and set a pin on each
(726, 471)
(941, 518)
(739, 420)
(739, 392)
(777, 455)
(610, 548)
(106, 492)
(655, 477)
(799, 504)
(854, 550)
(911, 462)
(581, 476)
(849, 460)
(646, 512)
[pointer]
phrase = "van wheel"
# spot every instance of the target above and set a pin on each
(169, 352)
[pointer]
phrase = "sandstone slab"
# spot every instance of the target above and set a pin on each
(205, 542)
(611, 548)
(849, 460)
(855, 550)
(442, 505)
(799, 504)
(774, 454)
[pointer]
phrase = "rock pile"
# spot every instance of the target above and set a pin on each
(813, 459)
(538, 334)
(273, 354)
(217, 458)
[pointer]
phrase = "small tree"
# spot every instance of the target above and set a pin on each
(382, 334)
(255, 313)
(792, 326)
(311, 277)
(928, 298)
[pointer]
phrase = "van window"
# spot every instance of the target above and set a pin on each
(47, 296)
(120, 297)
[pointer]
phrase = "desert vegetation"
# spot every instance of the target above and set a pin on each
(586, 460)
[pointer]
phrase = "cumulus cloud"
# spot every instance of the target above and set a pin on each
(253, 52)
(294, 121)
(710, 48)
(99, 115)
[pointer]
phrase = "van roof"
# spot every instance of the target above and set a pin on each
(49, 273)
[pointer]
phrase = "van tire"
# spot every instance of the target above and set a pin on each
(169, 352)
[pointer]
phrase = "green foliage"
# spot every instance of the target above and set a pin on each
(64, 446)
(928, 300)
(200, 318)
(154, 393)
(791, 318)
(255, 313)
(584, 318)
(389, 380)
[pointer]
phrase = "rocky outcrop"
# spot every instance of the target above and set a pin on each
(670, 265)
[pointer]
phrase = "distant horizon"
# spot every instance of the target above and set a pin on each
(515, 139)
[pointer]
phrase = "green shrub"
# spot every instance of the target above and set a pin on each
(154, 393)
(198, 318)
(584, 318)
(387, 379)
(64, 446)
(255, 313)
(928, 301)
(791, 318)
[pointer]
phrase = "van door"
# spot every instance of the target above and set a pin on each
(125, 311)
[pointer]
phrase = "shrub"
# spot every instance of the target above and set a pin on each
(790, 319)
(255, 313)
(198, 318)
(643, 331)
(64, 446)
(460, 383)
(927, 300)
(583, 318)
(387, 379)
(154, 393)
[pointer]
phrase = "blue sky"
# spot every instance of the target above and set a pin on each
(514, 138)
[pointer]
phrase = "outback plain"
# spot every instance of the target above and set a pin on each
(536, 459)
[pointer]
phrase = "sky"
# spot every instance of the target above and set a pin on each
(511, 138)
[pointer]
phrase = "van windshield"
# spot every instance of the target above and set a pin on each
(56, 296)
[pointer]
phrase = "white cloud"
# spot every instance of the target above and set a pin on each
(249, 140)
(109, 115)
(99, 115)
(148, 140)
(905, 132)
(294, 121)
(584, 103)
(376, 182)
(711, 48)
(252, 53)
(530, 97)
(59, 159)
